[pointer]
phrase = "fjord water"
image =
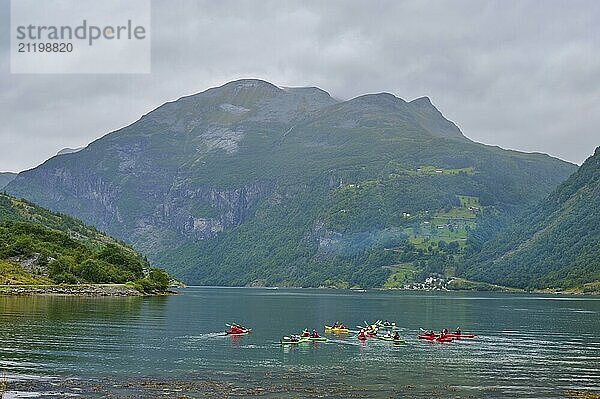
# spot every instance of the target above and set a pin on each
(527, 345)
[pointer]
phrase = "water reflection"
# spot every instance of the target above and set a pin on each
(526, 346)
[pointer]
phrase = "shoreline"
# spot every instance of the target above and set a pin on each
(508, 290)
(83, 290)
(211, 385)
(122, 290)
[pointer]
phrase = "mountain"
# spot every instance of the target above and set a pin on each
(254, 184)
(556, 244)
(38, 246)
(5, 178)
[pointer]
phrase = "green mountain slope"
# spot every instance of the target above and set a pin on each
(250, 183)
(41, 247)
(556, 244)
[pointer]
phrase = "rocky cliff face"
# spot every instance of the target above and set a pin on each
(203, 212)
(242, 174)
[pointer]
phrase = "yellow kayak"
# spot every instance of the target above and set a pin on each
(337, 330)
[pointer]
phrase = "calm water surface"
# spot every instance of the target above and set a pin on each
(528, 345)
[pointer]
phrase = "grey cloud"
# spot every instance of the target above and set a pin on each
(520, 74)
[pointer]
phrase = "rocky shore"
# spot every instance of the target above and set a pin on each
(116, 290)
(286, 386)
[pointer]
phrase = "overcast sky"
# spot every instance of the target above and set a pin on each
(520, 74)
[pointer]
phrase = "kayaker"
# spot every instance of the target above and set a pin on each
(388, 334)
(314, 334)
(305, 333)
(361, 334)
(445, 331)
(342, 326)
(457, 332)
(396, 336)
(293, 338)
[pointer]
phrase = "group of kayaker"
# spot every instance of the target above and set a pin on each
(371, 331)
(365, 332)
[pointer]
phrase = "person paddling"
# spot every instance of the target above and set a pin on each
(235, 329)
(396, 336)
(314, 334)
(458, 331)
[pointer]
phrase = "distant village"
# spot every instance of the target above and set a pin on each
(430, 284)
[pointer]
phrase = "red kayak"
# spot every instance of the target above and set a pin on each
(238, 332)
(453, 335)
(457, 336)
(435, 338)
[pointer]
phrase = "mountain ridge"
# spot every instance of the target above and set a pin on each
(250, 173)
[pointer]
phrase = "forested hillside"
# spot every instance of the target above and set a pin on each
(556, 244)
(41, 247)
